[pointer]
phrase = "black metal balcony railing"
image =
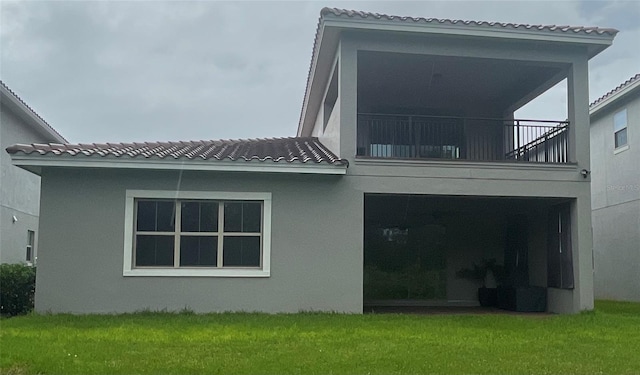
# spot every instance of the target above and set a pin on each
(484, 139)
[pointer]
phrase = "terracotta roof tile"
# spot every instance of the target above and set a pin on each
(508, 25)
(289, 150)
(617, 89)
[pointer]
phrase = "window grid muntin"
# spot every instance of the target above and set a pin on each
(177, 233)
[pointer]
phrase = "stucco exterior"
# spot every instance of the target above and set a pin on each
(317, 249)
(616, 200)
(315, 262)
(19, 189)
(317, 223)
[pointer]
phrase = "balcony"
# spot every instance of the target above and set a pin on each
(395, 136)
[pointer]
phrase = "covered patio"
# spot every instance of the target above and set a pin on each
(420, 249)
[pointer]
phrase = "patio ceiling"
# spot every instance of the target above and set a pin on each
(450, 83)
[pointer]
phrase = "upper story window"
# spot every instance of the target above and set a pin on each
(197, 234)
(31, 242)
(620, 128)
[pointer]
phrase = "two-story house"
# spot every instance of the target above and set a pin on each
(19, 189)
(615, 191)
(408, 166)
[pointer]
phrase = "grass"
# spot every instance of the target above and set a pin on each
(606, 340)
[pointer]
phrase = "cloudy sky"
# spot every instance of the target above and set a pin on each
(145, 71)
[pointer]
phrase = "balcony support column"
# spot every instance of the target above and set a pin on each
(579, 152)
(578, 112)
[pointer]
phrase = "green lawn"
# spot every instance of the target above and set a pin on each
(604, 341)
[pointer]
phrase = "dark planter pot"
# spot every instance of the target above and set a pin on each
(488, 297)
(524, 299)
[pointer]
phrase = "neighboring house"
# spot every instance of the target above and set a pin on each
(407, 166)
(615, 191)
(19, 189)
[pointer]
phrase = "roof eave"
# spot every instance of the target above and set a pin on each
(615, 97)
(35, 163)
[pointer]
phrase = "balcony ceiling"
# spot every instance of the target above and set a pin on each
(463, 86)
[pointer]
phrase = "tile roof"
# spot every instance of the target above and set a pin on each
(498, 25)
(554, 28)
(626, 83)
(19, 99)
(305, 150)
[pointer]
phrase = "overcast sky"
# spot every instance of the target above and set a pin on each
(146, 71)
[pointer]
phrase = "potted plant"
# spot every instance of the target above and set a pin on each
(487, 272)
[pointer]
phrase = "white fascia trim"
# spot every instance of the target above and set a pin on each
(613, 98)
(473, 31)
(184, 165)
(129, 270)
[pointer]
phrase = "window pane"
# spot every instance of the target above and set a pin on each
(165, 220)
(31, 235)
(251, 215)
(199, 217)
(154, 250)
(190, 217)
(241, 252)
(155, 216)
(146, 219)
(208, 216)
(198, 251)
(621, 138)
(620, 120)
(232, 217)
(242, 217)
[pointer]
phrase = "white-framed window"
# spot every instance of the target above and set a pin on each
(31, 243)
(620, 128)
(205, 234)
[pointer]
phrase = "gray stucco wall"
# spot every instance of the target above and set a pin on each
(315, 260)
(317, 237)
(616, 204)
(19, 191)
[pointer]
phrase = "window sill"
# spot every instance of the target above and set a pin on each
(192, 272)
(620, 149)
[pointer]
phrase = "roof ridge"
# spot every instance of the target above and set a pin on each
(564, 28)
(4, 85)
(170, 143)
(616, 89)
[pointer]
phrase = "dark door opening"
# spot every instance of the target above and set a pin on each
(405, 258)
(415, 247)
